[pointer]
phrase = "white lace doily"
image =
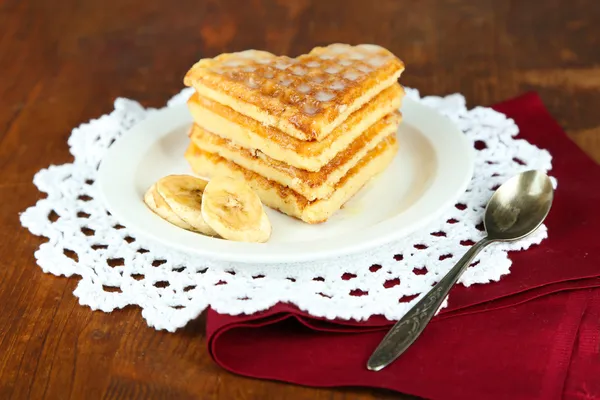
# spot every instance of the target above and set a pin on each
(172, 288)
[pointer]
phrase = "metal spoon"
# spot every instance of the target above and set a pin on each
(515, 210)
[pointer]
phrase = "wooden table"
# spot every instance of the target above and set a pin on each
(64, 62)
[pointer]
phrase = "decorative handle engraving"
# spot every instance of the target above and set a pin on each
(406, 331)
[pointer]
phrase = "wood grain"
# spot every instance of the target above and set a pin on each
(63, 63)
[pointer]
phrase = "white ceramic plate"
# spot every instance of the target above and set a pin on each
(432, 169)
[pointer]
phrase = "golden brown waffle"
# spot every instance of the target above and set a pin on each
(312, 185)
(285, 199)
(305, 97)
(311, 156)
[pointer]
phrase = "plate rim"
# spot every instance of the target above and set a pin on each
(375, 235)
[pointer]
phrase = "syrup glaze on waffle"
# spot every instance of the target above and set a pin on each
(311, 156)
(305, 97)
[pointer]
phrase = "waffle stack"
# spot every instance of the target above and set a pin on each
(305, 133)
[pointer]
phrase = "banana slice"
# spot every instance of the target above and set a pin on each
(232, 209)
(156, 203)
(183, 193)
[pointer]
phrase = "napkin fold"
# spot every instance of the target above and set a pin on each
(532, 335)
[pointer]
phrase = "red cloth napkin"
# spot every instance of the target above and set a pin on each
(533, 335)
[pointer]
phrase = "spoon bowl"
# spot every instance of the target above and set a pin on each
(519, 206)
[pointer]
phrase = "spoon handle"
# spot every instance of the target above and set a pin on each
(409, 327)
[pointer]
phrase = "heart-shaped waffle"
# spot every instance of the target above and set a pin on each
(306, 97)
